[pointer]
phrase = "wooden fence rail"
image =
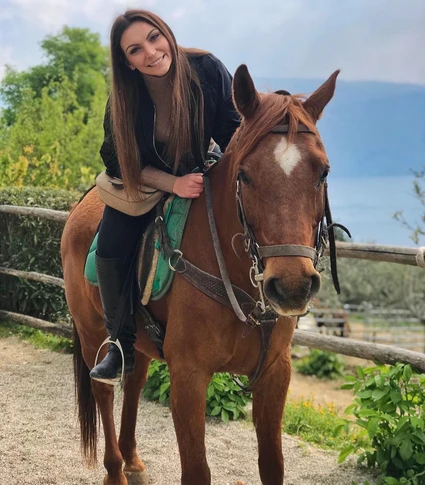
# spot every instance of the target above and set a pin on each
(365, 350)
(378, 252)
(49, 214)
(32, 275)
(62, 330)
(370, 252)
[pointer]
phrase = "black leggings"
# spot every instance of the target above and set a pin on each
(119, 234)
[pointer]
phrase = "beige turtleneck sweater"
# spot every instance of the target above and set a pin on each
(160, 90)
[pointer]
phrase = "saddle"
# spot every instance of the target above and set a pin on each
(154, 275)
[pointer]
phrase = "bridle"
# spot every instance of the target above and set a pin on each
(325, 234)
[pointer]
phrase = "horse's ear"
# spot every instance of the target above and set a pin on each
(316, 103)
(245, 95)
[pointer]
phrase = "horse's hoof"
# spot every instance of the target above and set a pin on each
(137, 478)
(119, 480)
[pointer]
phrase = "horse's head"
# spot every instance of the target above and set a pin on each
(281, 167)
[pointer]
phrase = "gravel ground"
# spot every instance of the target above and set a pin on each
(39, 440)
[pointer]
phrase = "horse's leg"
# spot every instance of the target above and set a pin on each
(188, 389)
(113, 460)
(134, 468)
(268, 402)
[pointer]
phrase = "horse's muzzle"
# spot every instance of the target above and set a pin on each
(291, 300)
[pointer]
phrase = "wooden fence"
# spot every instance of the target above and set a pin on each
(367, 350)
(389, 327)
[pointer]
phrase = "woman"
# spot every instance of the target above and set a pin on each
(166, 104)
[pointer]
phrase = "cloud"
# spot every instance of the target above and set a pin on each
(379, 40)
(47, 14)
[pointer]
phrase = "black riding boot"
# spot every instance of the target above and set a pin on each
(111, 277)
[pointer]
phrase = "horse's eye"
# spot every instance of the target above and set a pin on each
(244, 177)
(324, 175)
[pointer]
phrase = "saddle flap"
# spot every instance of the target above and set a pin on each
(155, 285)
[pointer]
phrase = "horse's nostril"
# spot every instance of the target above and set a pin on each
(274, 289)
(315, 284)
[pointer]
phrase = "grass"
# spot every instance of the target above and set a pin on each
(38, 338)
(321, 425)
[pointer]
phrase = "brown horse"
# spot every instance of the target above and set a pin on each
(282, 184)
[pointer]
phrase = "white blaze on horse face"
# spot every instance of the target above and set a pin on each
(287, 157)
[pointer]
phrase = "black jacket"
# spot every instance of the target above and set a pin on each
(220, 118)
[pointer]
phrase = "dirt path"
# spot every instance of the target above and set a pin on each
(39, 441)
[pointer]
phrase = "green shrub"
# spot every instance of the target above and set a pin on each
(390, 406)
(157, 387)
(32, 244)
(321, 364)
(224, 398)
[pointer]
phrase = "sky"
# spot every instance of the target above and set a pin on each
(366, 206)
(369, 40)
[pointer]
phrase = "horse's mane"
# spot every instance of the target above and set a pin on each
(274, 109)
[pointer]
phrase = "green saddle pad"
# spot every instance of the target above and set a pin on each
(176, 214)
(175, 219)
(90, 266)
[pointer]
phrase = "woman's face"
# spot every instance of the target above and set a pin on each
(146, 49)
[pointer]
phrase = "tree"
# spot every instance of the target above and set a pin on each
(51, 125)
(415, 296)
(340, 235)
(75, 53)
(14, 86)
(382, 285)
(417, 229)
(81, 56)
(54, 141)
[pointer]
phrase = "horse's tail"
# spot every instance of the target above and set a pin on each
(87, 409)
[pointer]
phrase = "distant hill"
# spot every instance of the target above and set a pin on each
(370, 129)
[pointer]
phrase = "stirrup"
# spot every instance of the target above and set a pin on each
(116, 342)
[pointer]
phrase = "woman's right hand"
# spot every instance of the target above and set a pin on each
(189, 186)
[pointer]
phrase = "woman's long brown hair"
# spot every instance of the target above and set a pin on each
(187, 101)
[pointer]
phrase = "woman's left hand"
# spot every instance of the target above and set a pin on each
(189, 186)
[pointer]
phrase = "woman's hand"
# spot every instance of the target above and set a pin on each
(189, 186)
